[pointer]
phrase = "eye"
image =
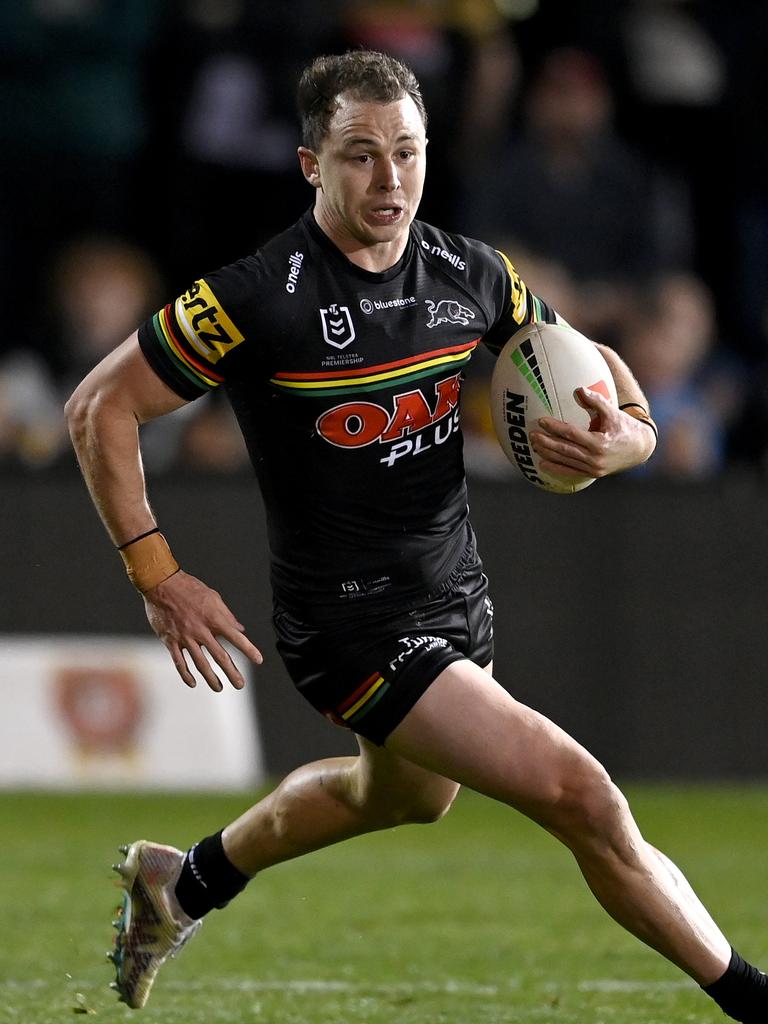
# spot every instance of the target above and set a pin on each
(363, 158)
(406, 154)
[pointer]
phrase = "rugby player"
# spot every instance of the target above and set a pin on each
(340, 345)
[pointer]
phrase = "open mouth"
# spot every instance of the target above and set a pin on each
(387, 214)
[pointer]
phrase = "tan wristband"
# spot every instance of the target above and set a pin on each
(148, 561)
(638, 412)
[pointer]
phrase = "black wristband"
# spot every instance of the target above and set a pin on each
(141, 536)
(634, 405)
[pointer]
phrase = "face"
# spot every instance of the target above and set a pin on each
(369, 173)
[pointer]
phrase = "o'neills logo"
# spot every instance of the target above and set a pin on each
(294, 269)
(452, 257)
(514, 417)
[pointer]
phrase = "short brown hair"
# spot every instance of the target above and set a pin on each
(365, 74)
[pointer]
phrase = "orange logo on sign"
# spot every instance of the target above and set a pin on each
(102, 708)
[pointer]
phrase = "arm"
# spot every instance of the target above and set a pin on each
(103, 416)
(617, 440)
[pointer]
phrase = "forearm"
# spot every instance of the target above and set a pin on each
(631, 395)
(106, 442)
(104, 415)
(627, 387)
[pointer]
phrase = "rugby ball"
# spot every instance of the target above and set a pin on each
(536, 375)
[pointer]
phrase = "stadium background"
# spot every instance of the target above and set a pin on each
(616, 151)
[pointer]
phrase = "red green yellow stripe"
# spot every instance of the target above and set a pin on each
(369, 704)
(188, 363)
(373, 688)
(382, 367)
(373, 378)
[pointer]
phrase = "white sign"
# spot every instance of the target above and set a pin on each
(111, 712)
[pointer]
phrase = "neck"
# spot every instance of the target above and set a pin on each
(375, 257)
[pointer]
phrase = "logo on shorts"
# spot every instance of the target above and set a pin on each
(416, 643)
(338, 329)
(448, 311)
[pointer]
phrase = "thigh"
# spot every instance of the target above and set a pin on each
(467, 727)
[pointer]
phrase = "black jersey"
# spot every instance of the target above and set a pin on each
(346, 385)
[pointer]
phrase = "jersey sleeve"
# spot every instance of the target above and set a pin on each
(518, 307)
(187, 343)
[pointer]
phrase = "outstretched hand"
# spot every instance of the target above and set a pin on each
(190, 617)
(613, 442)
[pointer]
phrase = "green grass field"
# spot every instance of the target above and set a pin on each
(479, 919)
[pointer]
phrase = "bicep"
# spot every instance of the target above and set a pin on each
(125, 381)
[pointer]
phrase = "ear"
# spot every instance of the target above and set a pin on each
(310, 166)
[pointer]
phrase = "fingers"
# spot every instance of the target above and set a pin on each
(610, 445)
(180, 664)
(568, 450)
(190, 618)
(551, 428)
(574, 450)
(592, 401)
(201, 655)
(581, 457)
(224, 660)
(211, 648)
(602, 412)
(200, 662)
(239, 640)
(203, 666)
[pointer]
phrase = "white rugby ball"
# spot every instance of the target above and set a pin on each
(536, 375)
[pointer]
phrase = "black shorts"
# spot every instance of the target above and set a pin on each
(367, 673)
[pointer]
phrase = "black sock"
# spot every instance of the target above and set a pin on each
(742, 992)
(208, 878)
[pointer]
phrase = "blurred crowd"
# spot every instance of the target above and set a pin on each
(616, 152)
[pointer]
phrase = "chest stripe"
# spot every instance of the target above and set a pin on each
(371, 378)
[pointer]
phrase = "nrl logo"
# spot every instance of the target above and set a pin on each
(338, 329)
(448, 311)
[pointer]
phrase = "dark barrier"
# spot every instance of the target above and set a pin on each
(632, 613)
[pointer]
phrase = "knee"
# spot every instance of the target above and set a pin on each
(425, 810)
(412, 808)
(591, 811)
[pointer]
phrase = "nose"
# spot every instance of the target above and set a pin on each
(388, 178)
